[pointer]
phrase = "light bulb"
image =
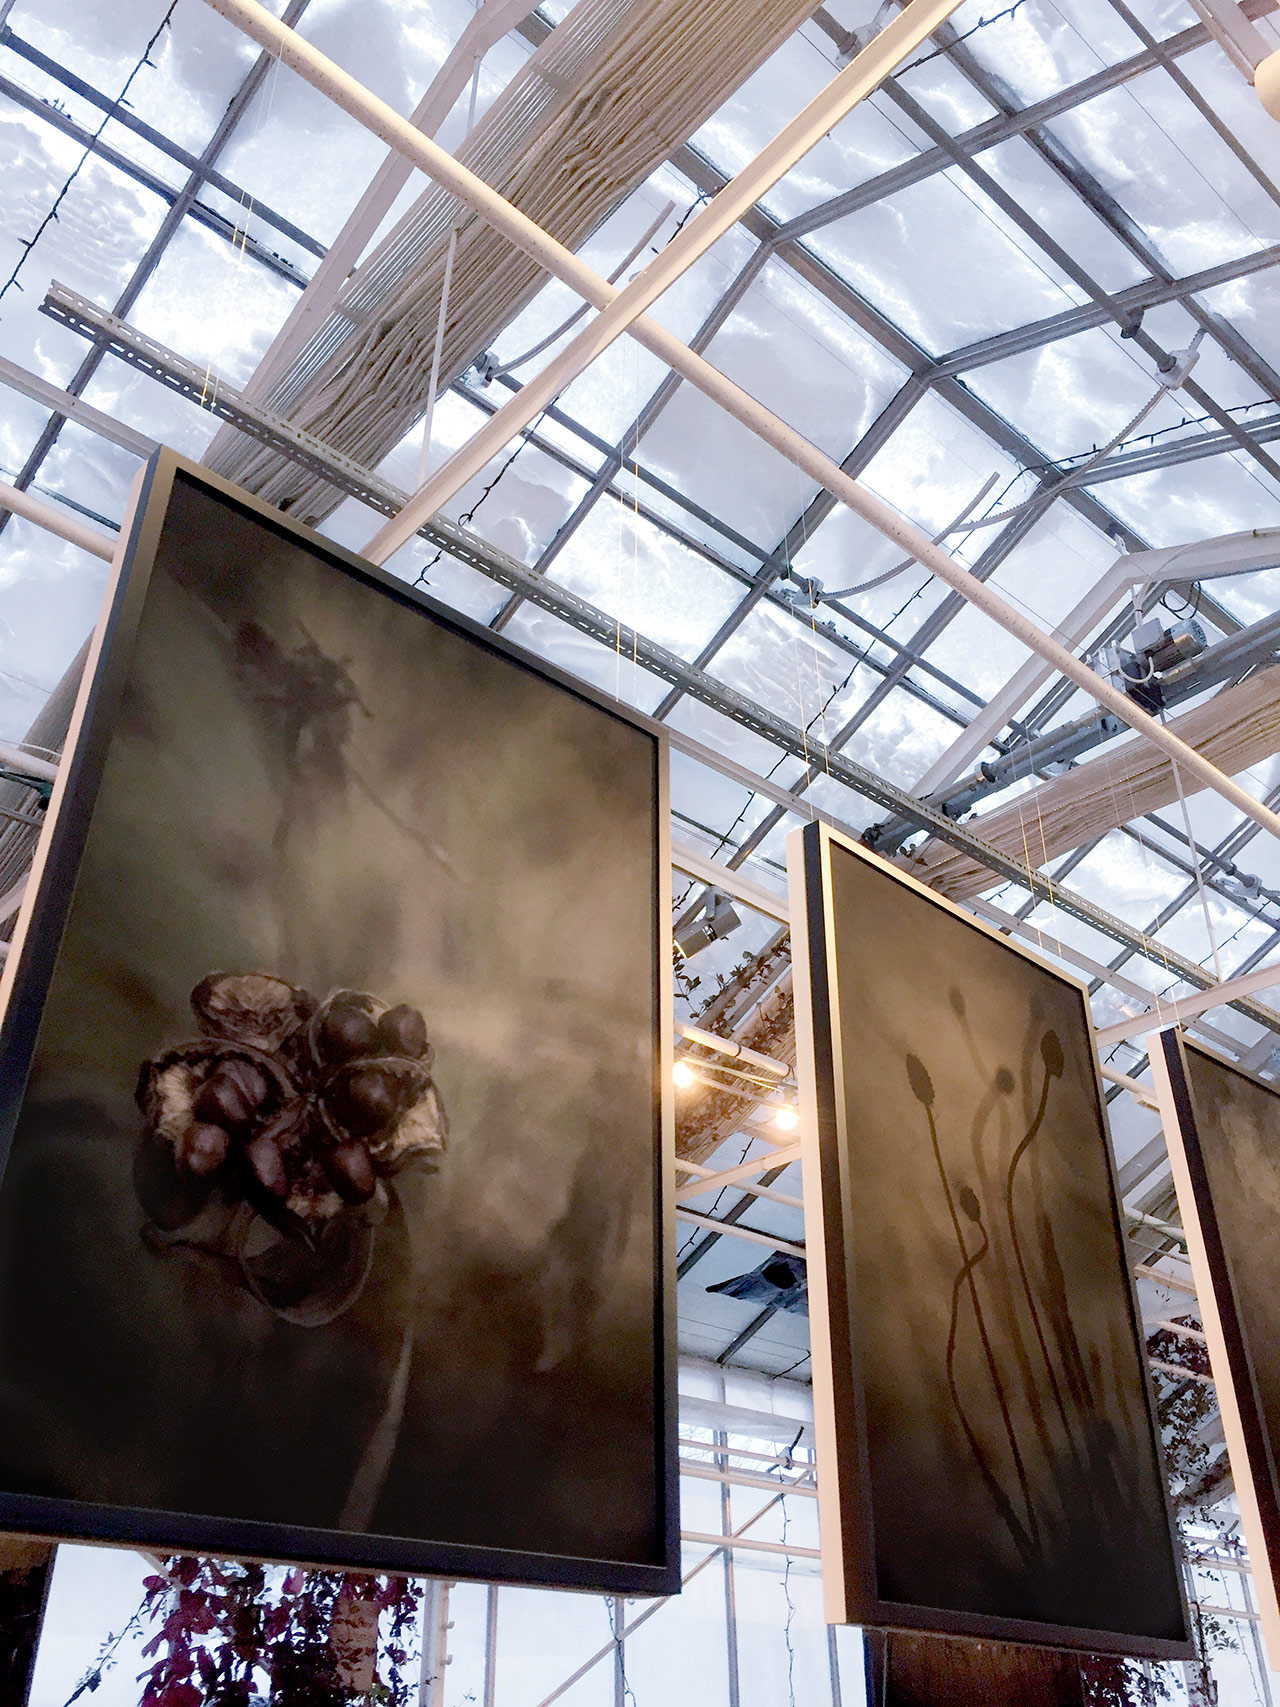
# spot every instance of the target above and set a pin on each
(682, 1074)
(786, 1117)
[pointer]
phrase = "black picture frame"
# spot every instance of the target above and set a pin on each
(40, 936)
(879, 1390)
(1202, 1095)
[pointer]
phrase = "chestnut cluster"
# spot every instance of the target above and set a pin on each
(296, 1105)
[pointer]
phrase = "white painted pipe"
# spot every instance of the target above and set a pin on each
(1162, 1278)
(752, 1546)
(383, 121)
(1137, 1090)
(18, 759)
(735, 1231)
(56, 521)
(1189, 1007)
(737, 1051)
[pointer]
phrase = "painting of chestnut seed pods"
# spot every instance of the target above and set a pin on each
(287, 1116)
(332, 1225)
(989, 1464)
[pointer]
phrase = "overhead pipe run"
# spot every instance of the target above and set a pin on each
(55, 521)
(318, 70)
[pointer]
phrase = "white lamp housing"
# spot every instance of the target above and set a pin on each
(1266, 81)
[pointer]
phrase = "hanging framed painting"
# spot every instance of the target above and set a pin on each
(988, 1457)
(333, 1225)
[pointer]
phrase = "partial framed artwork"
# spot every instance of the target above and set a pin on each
(1222, 1129)
(989, 1462)
(334, 1086)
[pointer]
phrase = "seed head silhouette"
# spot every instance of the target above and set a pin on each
(969, 1203)
(921, 1083)
(1051, 1054)
(1004, 1081)
(956, 997)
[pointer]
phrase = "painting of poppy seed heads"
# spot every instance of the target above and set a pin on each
(981, 1359)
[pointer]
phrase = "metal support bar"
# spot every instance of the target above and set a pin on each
(753, 1546)
(737, 1478)
(210, 218)
(725, 877)
(711, 1181)
(74, 408)
(1141, 1093)
(124, 115)
(1163, 1279)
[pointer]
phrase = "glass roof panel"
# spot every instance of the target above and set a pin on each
(891, 253)
(623, 564)
(845, 551)
(1228, 494)
(1251, 306)
(1150, 150)
(213, 304)
(934, 466)
(140, 402)
(1222, 84)
(944, 91)
(20, 425)
(192, 76)
(977, 652)
(787, 81)
(1050, 571)
(584, 657)
(1046, 45)
(793, 351)
(102, 42)
(722, 465)
(1072, 396)
(794, 670)
(104, 224)
(1086, 237)
(392, 49)
(901, 739)
(868, 141)
(51, 592)
(1164, 18)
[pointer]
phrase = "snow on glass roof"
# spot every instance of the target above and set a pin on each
(963, 293)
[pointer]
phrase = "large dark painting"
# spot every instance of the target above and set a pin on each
(1222, 1127)
(332, 1224)
(991, 1460)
